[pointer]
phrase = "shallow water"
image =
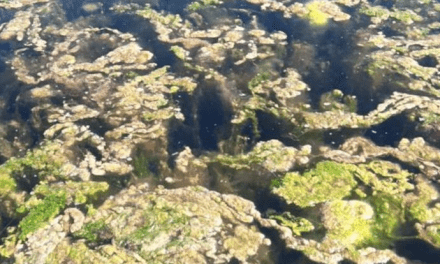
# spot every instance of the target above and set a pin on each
(326, 57)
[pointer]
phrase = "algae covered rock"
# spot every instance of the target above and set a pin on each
(271, 155)
(188, 225)
(329, 181)
(116, 109)
(347, 222)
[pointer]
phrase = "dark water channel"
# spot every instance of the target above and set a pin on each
(208, 115)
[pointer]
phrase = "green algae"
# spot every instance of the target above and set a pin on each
(406, 16)
(91, 231)
(8, 243)
(336, 101)
(157, 219)
(298, 225)
(142, 163)
(43, 163)
(194, 6)
(180, 52)
(40, 215)
(389, 215)
(384, 176)
(327, 182)
(348, 222)
(172, 21)
(272, 155)
(7, 184)
(315, 15)
(76, 192)
(375, 11)
(258, 79)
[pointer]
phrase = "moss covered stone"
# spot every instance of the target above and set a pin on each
(384, 176)
(348, 222)
(92, 232)
(328, 181)
(174, 226)
(41, 214)
(76, 192)
(389, 215)
(298, 225)
(272, 155)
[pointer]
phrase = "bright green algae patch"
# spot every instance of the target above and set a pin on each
(45, 163)
(348, 222)
(76, 192)
(328, 181)
(91, 231)
(373, 221)
(171, 226)
(316, 16)
(41, 214)
(298, 225)
(389, 215)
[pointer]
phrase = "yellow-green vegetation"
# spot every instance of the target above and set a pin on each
(180, 52)
(142, 163)
(316, 16)
(389, 214)
(272, 155)
(348, 222)
(41, 214)
(7, 183)
(354, 224)
(258, 79)
(385, 62)
(172, 21)
(242, 236)
(131, 75)
(79, 252)
(158, 219)
(375, 11)
(91, 231)
(406, 16)
(298, 225)
(194, 6)
(327, 182)
(426, 215)
(336, 101)
(76, 192)
(8, 243)
(44, 162)
(384, 176)
(430, 118)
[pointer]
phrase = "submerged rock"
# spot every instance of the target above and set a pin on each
(246, 108)
(189, 225)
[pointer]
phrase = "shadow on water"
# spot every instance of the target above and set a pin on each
(279, 253)
(75, 9)
(391, 131)
(417, 249)
(214, 116)
(6, 222)
(207, 120)
(6, 15)
(271, 127)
